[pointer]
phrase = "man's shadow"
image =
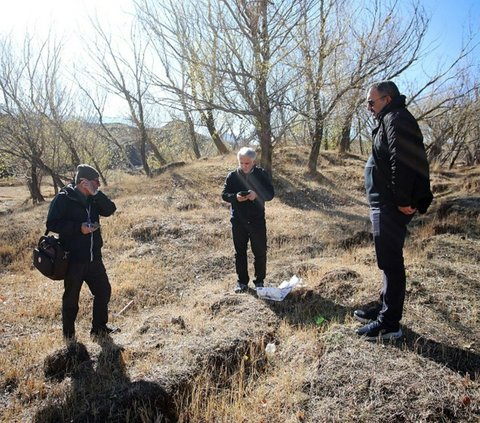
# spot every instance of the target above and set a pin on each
(101, 391)
(308, 308)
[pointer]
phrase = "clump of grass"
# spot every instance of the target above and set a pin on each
(7, 255)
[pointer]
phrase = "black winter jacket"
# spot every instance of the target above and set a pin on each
(397, 172)
(257, 180)
(68, 210)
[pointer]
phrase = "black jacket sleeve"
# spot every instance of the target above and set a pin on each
(106, 207)
(229, 192)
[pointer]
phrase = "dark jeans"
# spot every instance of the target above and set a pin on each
(95, 276)
(389, 231)
(256, 232)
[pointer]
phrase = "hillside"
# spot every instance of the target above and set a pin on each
(191, 350)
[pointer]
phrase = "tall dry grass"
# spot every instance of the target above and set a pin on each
(169, 254)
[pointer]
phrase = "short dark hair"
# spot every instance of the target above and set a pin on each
(386, 88)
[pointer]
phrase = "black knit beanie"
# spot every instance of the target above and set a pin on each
(87, 172)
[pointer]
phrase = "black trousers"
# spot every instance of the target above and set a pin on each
(95, 276)
(389, 231)
(254, 231)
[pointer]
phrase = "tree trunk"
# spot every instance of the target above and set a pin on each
(55, 187)
(264, 131)
(455, 157)
(193, 135)
(344, 144)
(33, 183)
(143, 151)
(313, 156)
(212, 130)
(317, 138)
(265, 136)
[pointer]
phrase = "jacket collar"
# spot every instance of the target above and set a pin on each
(396, 103)
(72, 192)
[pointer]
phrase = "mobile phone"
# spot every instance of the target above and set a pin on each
(244, 193)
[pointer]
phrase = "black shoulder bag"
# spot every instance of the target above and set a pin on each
(50, 258)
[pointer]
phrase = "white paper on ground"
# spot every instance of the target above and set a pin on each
(279, 293)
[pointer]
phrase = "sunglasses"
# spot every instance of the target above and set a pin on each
(371, 103)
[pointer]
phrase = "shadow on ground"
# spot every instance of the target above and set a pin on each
(309, 308)
(467, 363)
(103, 392)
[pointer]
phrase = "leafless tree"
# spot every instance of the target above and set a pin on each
(235, 51)
(342, 49)
(126, 77)
(24, 103)
(186, 50)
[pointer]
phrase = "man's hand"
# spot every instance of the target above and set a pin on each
(406, 210)
(88, 228)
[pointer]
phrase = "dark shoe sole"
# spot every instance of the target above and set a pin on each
(367, 315)
(385, 336)
(361, 319)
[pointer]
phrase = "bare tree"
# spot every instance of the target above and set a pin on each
(126, 77)
(342, 50)
(235, 61)
(186, 50)
(450, 121)
(26, 133)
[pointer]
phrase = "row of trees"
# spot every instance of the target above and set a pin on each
(265, 71)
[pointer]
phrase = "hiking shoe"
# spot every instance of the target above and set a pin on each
(258, 284)
(241, 288)
(367, 315)
(377, 330)
(103, 331)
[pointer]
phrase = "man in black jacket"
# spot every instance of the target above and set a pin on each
(75, 215)
(247, 189)
(397, 185)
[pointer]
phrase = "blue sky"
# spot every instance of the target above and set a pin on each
(450, 20)
(449, 17)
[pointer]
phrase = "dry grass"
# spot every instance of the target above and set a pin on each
(191, 351)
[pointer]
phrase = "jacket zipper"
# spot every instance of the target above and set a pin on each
(91, 234)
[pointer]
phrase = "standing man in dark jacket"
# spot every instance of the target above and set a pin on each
(397, 185)
(247, 189)
(75, 215)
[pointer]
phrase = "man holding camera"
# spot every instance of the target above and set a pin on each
(75, 215)
(246, 189)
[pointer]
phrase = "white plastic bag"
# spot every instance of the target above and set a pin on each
(279, 293)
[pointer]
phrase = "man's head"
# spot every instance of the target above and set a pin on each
(380, 94)
(88, 173)
(246, 159)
